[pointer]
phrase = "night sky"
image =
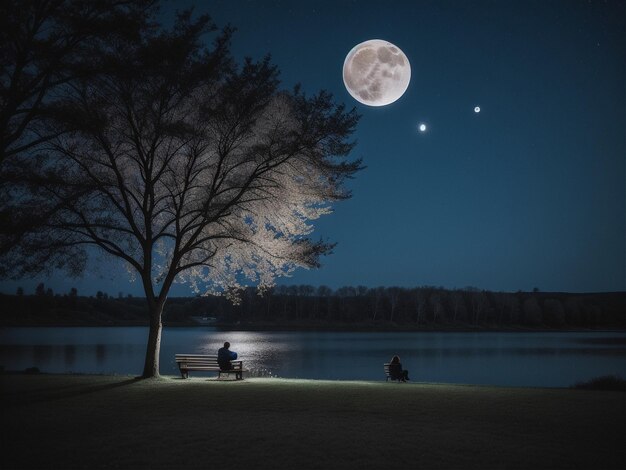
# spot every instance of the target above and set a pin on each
(530, 192)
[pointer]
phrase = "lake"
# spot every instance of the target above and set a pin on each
(543, 359)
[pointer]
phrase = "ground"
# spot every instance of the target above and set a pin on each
(62, 421)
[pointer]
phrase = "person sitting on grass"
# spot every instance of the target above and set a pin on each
(395, 370)
(224, 356)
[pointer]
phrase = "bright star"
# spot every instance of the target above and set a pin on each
(422, 128)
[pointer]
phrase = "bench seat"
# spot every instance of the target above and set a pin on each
(206, 362)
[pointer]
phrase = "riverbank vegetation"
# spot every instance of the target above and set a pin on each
(120, 422)
(605, 382)
(301, 307)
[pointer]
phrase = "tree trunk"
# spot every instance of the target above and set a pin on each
(151, 366)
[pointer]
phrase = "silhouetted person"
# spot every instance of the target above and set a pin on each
(224, 356)
(395, 370)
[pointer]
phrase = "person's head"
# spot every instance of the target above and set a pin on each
(395, 360)
(226, 345)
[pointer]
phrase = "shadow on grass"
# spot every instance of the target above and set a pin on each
(53, 393)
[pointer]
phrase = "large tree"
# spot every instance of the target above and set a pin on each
(190, 168)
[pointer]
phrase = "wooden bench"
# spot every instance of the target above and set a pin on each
(206, 362)
(386, 366)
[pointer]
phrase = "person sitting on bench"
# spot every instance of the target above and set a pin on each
(395, 370)
(224, 356)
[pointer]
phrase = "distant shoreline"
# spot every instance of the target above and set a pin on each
(422, 309)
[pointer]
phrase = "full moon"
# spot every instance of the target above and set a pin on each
(422, 127)
(376, 72)
(477, 109)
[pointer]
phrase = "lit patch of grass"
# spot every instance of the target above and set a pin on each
(606, 382)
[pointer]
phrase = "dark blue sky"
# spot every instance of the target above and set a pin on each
(528, 193)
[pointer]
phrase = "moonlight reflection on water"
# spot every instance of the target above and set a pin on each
(491, 358)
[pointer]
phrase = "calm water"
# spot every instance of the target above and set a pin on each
(519, 359)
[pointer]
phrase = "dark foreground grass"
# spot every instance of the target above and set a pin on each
(59, 421)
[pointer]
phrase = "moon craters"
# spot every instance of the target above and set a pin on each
(376, 72)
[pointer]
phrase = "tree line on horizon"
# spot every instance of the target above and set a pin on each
(305, 305)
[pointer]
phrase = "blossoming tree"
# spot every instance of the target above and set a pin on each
(192, 169)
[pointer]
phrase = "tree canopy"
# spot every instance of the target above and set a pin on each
(186, 166)
(46, 45)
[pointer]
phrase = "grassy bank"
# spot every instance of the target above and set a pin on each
(55, 421)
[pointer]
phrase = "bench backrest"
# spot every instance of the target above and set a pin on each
(386, 366)
(197, 358)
